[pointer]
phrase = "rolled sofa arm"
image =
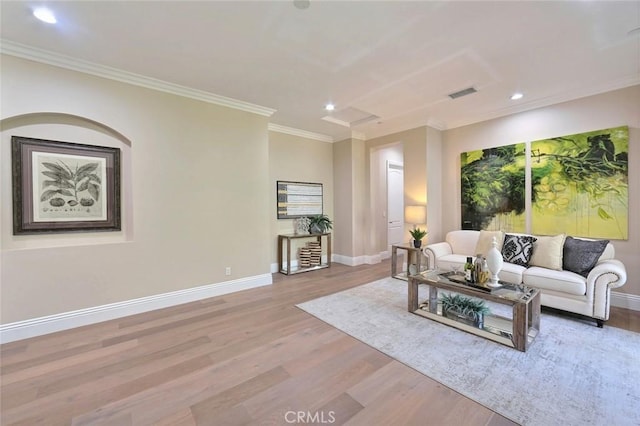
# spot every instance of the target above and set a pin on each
(434, 251)
(606, 275)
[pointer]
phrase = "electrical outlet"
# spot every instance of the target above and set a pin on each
(227, 270)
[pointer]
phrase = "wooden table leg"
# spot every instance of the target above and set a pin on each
(280, 253)
(394, 260)
(412, 305)
(520, 326)
(288, 256)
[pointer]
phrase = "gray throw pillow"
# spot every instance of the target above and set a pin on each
(580, 256)
(517, 249)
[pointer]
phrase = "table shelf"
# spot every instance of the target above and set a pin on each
(284, 243)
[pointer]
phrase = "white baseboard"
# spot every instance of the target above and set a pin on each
(624, 300)
(358, 260)
(67, 320)
(344, 260)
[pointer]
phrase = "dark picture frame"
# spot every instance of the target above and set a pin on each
(64, 187)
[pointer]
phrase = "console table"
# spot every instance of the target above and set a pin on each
(285, 239)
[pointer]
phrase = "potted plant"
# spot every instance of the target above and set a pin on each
(464, 309)
(319, 224)
(418, 234)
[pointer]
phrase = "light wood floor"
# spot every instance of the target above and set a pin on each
(246, 358)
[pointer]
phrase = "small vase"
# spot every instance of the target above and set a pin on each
(494, 262)
(315, 229)
(417, 243)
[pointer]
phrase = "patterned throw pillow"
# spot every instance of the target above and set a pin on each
(580, 256)
(518, 249)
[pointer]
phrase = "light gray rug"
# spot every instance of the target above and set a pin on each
(573, 374)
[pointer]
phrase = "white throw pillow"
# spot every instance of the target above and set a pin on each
(547, 252)
(484, 241)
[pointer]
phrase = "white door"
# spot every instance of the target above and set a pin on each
(395, 203)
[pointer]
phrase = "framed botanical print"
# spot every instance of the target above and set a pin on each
(64, 187)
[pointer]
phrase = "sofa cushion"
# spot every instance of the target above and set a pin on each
(580, 256)
(517, 249)
(463, 241)
(486, 238)
(511, 273)
(560, 281)
(547, 252)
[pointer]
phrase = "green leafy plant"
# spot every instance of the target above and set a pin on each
(320, 224)
(70, 183)
(418, 233)
(465, 306)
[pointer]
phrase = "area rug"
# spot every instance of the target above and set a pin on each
(573, 374)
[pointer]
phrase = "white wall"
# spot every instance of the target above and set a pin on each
(196, 195)
(612, 109)
(298, 159)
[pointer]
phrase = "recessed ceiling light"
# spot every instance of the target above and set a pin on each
(45, 15)
(329, 107)
(516, 96)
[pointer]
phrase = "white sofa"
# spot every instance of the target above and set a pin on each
(560, 289)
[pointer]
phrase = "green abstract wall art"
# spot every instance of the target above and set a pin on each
(580, 184)
(493, 188)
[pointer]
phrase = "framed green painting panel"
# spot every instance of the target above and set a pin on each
(493, 188)
(580, 184)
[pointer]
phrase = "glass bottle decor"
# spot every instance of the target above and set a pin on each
(484, 274)
(468, 267)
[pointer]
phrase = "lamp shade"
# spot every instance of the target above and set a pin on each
(416, 215)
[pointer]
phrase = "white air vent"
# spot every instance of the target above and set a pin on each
(463, 92)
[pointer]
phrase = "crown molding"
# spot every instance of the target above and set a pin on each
(359, 135)
(567, 96)
(437, 124)
(11, 48)
(302, 133)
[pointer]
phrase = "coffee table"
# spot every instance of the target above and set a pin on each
(518, 331)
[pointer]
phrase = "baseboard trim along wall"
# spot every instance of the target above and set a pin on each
(624, 300)
(67, 320)
(358, 260)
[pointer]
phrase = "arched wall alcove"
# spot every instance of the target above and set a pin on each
(65, 128)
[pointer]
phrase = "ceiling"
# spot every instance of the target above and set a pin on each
(387, 66)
